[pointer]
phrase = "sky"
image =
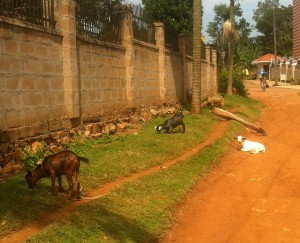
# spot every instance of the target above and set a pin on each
(248, 6)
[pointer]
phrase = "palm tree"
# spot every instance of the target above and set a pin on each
(231, 49)
(231, 35)
(196, 82)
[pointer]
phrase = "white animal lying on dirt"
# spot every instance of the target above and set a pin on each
(249, 146)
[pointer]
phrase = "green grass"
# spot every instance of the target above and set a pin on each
(137, 211)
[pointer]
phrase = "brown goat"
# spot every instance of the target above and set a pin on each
(63, 163)
(215, 100)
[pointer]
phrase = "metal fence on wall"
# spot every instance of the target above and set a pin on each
(100, 19)
(39, 12)
(171, 37)
(143, 30)
(189, 46)
(95, 19)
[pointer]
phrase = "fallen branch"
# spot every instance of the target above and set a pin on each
(229, 116)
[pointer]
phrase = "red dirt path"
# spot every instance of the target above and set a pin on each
(251, 197)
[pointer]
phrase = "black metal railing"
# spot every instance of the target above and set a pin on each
(39, 12)
(189, 46)
(143, 29)
(100, 19)
(171, 37)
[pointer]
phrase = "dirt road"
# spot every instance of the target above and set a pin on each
(251, 197)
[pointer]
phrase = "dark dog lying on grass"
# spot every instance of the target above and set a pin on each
(63, 163)
(172, 123)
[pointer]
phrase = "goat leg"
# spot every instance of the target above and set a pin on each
(71, 185)
(78, 185)
(60, 188)
(183, 127)
(53, 189)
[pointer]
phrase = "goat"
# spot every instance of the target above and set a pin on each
(249, 146)
(63, 163)
(172, 123)
(214, 100)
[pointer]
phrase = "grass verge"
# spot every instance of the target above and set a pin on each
(138, 211)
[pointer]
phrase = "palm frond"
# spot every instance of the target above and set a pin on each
(227, 29)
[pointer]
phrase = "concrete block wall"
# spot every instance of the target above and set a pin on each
(204, 84)
(102, 76)
(173, 77)
(145, 74)
(296, 75)
(47, 75)
(31, 74)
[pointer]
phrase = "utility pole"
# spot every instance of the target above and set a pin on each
(275, 42)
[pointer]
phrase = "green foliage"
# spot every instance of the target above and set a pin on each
(215, 28)
(246, 52)
(138, 211)
(248, 49)
(179, 13)
(31, 158)
(238, 83)
(263, 17)
(245, 48)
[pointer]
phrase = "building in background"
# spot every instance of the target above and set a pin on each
(296, 28)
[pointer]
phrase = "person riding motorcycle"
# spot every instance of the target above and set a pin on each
(263, 82)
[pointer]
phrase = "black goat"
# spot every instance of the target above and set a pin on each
(172, 123)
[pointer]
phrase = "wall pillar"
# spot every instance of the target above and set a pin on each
(160, 43)
(127, 42)
(293, 72)
(208, 90)
(215, 72)
(66, 22)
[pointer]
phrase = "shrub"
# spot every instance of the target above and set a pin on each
(237, 83)
(31, 158)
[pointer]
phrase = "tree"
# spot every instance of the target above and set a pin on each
(242, 48)
(215, 28)
(179, 13)
(196, 89)
(263, 16)
(284, 27)
(231, 48)
(247, 51)
(226, 18)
